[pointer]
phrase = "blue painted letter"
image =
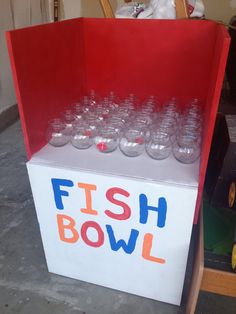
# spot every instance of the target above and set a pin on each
(58, 193)
(161, 210)
(116, 245)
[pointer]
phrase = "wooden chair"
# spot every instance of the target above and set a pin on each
(180, 6)
(207, 279)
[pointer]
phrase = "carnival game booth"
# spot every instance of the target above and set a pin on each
(119, 222)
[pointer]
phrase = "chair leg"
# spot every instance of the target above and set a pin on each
(181, 9)
(107, 8)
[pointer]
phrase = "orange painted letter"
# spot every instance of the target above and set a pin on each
(70, 226)
(88, 197)
(147, 247)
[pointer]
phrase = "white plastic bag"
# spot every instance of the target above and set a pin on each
(161, 9)
(158, 9)
(196, 8)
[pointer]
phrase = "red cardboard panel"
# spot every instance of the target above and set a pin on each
(164, 58)
(48, 70)
(54, 63)
(212, 101)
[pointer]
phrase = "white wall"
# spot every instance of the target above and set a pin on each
(7, 96)
(13, 14)
(68, 9)
(76, 8)
(220, 9)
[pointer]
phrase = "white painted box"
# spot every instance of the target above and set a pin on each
(123, 223)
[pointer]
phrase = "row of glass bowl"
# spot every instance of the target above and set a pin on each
(132, 126)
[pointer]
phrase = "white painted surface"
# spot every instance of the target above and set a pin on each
(116, 164)
(102, 265)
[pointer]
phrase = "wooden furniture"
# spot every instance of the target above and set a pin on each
(107, 8)
(181, 9)
(208, 279)
(56, 10)
(220, 282)
(198, 270)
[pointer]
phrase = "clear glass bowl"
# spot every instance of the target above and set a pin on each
(82, 137)
(55, 134)
(114, 101)
(160, 146)
(186, 149)
(132, 143)
(165, 124)
(68, 117)
(151, 104)
(107, 139)
(170, 108)
(116, 123)
(78, 111)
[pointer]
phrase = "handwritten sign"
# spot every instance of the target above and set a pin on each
(68, 223)
(123, 233)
